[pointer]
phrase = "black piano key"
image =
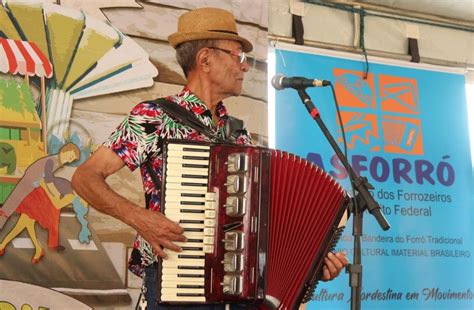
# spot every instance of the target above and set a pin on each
(192, 203)
(187, 275)
(191, 248)
(195, 157)
(191, 267)
(195, 240)
(193, 195)
(189, 294)
(193, 229)
(190, 211)
(189, 286)
(193, 176)
(191, 256)
(191, 222)
(195, 166)
(190, 149)
(193, 184)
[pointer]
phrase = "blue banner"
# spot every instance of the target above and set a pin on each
(407, 132)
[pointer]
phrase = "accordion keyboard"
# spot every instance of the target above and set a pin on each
(189, 204)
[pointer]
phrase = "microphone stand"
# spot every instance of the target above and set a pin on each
(362, 200)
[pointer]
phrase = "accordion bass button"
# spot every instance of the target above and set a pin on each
(233, 262)
(235, 205)
(237, 162)
(233, 241)
(236, 184)
(232, 284)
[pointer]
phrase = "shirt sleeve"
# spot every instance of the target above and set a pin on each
(137, 135)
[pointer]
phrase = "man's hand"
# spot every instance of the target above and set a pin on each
(160, 232)
(89, 182)
(333, 264)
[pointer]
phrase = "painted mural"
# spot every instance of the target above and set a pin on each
(69, 72)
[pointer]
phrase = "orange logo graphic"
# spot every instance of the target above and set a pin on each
(383, 118)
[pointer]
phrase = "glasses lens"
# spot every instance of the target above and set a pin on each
(243, 57)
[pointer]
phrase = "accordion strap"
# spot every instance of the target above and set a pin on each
(185, 117)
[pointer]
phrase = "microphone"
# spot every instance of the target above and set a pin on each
(279, 82)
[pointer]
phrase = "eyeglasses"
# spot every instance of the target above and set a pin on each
(242, 56)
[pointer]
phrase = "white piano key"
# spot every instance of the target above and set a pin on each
(183, 146)
(182, 298)
(177, 206)
(196, 189)
(183, 283)
(175, 196)
(177, 272)
(208, 240)
(190, 244)
(178, 160)
(210, 214)
(180, 179)
(211, 205)
(175, 167)
(175, 262)
(208, 248)
(176, 291)
(177, 216)
(208, 231)
(211, 196)
(175, 278)
(178, 171)
(210, 222)
(184, 252)
(180, 153)
(176, 285)
(193, 235)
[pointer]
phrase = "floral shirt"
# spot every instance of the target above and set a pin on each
(139, 137)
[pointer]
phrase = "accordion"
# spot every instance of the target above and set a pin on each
(258, 224)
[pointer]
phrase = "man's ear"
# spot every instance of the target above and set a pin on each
(202, 59)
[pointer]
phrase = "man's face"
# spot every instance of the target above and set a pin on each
(227, 72)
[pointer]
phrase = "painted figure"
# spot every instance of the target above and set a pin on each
(39, 198)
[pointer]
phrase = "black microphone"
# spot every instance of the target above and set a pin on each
(280, 82)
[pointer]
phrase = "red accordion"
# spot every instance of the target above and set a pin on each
(258, 224)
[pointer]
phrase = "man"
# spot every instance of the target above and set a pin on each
(213, 59)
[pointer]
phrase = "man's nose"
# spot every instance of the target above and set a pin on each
(245, 66)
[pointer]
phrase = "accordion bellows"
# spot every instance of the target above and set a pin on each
(306, 205)
(258, 221)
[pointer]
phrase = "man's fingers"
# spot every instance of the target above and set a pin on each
(326, 274)
(177, 237)
(175, 228)
(171, 246)
(170, 225)
(330, 267)
(159, 252)
(337, 263)
(342, 257)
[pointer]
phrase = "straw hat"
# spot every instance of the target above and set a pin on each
(207, 23)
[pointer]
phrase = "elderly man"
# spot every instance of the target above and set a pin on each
(212, 56)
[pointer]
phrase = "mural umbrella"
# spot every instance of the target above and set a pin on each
(89, 56)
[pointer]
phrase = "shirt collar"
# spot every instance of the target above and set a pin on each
(187, 99)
